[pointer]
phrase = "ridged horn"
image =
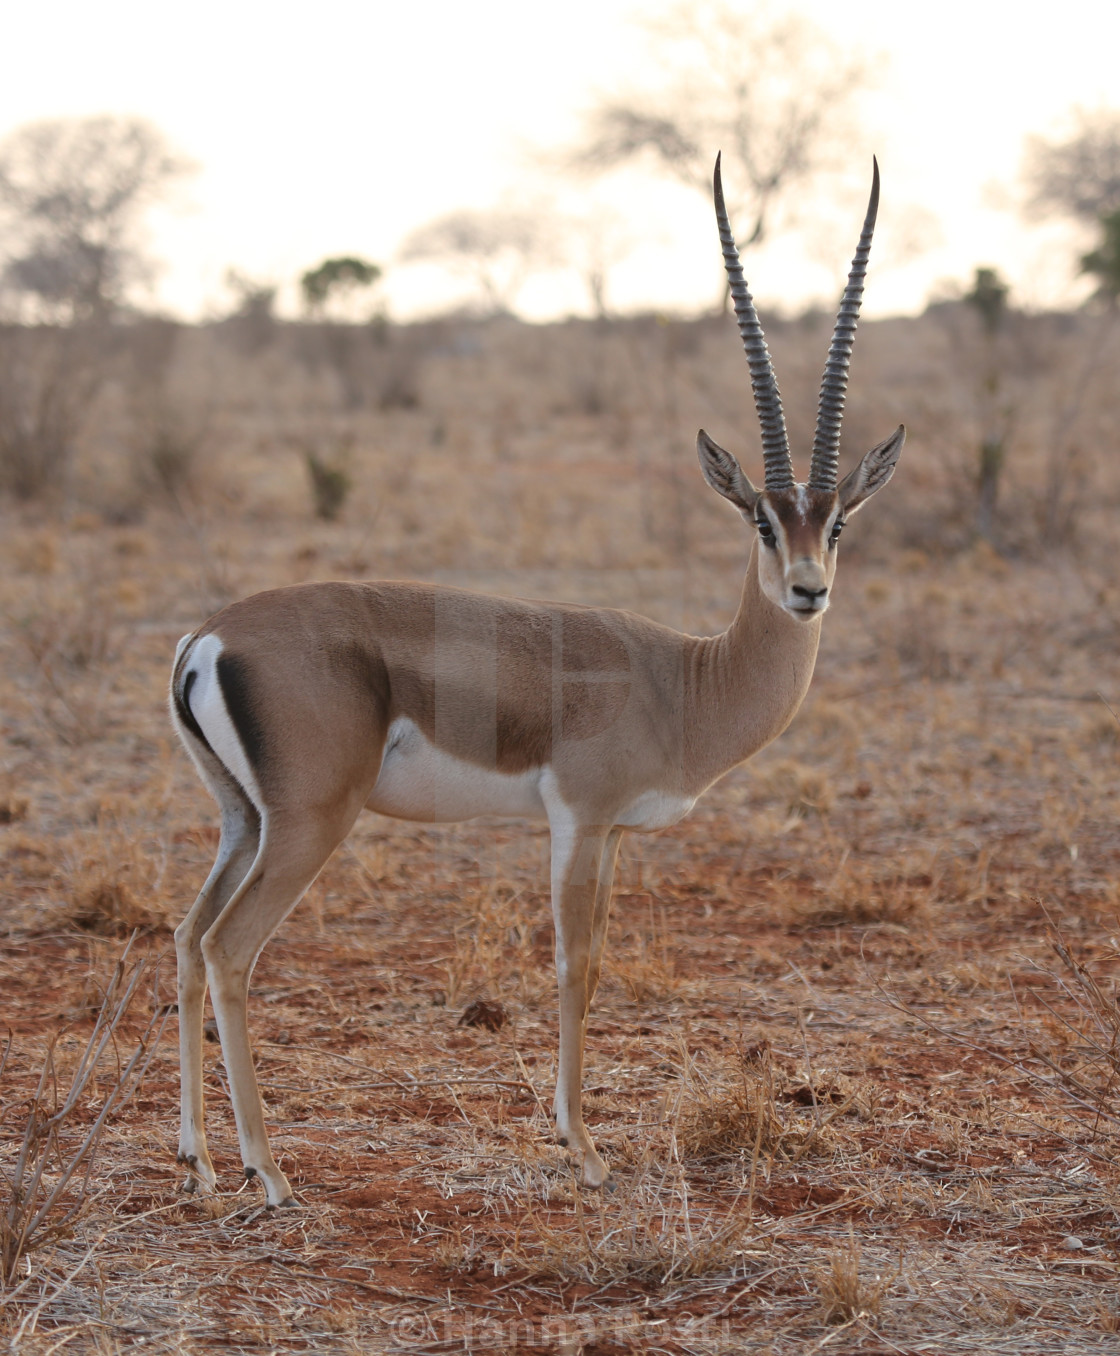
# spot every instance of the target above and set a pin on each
(834, 384)
(764, 384)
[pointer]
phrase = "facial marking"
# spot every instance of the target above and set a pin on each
(797, 573)
(802, 519)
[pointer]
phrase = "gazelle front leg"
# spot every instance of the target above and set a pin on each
(602, 911)
(577, 854)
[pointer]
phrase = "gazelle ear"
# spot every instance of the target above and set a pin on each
(724, 475)
(872, 473)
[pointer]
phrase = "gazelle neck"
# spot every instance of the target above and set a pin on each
(749, 681)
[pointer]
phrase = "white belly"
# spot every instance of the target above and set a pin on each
(419, 781)
(655, 810)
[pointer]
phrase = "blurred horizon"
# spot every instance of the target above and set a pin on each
(340, 132)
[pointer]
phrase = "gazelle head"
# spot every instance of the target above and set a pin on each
(798, 525)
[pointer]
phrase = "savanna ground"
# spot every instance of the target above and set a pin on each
(854, 1057)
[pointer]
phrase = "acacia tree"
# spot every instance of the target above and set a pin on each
(595, 241)
(1078, 176)
(496, 248)
(1103, 263)
(988, 299)
(73, 193)
(768, 90)
(340, 276)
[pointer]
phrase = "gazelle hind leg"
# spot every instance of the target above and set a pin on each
(577, 853)
(236, 851)
(292, 853)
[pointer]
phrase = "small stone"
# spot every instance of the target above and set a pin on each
(1071, 1244)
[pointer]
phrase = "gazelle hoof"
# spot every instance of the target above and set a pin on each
(605, 1183)
(197, 1182)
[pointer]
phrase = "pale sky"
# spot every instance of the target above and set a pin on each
(337, 127)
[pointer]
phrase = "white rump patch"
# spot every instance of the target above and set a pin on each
(208, 707)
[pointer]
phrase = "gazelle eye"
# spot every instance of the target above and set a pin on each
(765, 531)
(834, 535)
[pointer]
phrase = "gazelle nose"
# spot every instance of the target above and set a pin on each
(810, 595)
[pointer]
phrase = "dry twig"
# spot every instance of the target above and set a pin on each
(46, 1187)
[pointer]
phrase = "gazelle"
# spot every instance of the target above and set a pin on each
(302, 705)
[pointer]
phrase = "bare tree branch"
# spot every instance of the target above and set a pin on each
(73, 191)
(769, 91)
(1078, 177)
(495, 247)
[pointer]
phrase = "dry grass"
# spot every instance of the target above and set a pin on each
(846, 1296)
(1084, 1049)
(800, 1165)
(644, 967)
(47, 1186)
(648, 1229)
(744, 1106)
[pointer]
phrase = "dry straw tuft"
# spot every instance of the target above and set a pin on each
(110, 908)
(745, 1105)
(648, 1230)
(733, 1108)
(845, 1295)
(801, 791)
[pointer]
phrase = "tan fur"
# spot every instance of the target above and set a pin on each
(302, 705)
(600, 696)
(607, 710)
